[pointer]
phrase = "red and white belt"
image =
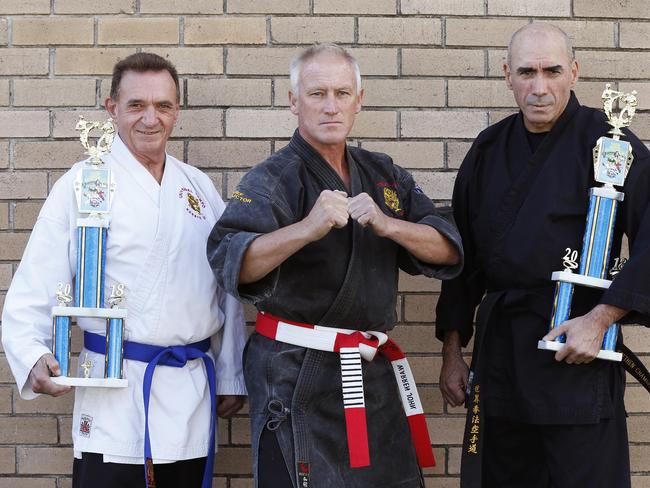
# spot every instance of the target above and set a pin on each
(352, 346)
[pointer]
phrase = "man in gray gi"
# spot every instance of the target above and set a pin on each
(316, 234)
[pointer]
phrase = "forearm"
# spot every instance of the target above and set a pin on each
(269, 251)
(606, 315)
(422, 241)
(451, 344)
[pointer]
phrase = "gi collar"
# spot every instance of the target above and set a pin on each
(317, 163)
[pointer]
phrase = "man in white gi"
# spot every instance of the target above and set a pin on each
(161, 216)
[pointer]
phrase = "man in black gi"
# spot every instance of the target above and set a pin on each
(540, 419)
(315, 235)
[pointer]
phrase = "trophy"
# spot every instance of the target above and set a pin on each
(612, 160)
(94, 187)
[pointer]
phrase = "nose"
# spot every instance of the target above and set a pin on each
(539, 85)
(149, 115)
(331, 106)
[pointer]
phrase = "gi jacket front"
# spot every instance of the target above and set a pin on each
(349, 277)
(155, 247)
(517, 213)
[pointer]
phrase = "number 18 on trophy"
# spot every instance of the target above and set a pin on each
(612, 160)
(94, 188)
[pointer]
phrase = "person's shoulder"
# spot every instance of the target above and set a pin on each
(595, 121)
(277, 169)
(492, 132)
(66, 180)
(191, 172)
(364, 155)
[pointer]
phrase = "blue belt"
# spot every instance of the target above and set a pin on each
(177, 357)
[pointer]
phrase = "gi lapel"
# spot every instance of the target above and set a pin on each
(517, 193)
(343, 304)
(150, 282)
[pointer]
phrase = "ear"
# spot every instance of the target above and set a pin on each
(507, 74)
(362, 92)
(293, 103)
(110, 105)
(575, 73)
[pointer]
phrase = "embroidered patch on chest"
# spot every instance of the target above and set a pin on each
(85, 425)
(392, 200)
(194, 204)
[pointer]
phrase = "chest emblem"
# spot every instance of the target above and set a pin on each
(391, 200)
(194, 203)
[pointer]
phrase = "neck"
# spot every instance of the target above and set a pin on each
(334, 154)
(155, 167)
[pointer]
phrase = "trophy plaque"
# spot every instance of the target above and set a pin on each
(94, 188)
(612, 160)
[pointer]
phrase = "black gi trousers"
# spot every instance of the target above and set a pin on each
(518, 455)
(92, 472)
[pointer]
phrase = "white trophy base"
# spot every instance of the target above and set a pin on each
(603, 354)
(88, 312)
(579, 279)
(91, 382)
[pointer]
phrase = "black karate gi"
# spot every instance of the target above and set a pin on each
(517, 212)
(347, 279)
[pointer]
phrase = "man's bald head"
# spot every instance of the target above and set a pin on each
(542, 32)
(541, 72)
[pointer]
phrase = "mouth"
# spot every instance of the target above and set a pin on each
(331, 122)
(148, 132)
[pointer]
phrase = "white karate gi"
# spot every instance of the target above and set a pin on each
(155, 247)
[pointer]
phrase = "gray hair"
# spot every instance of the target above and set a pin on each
(313, 51)
(546, 28)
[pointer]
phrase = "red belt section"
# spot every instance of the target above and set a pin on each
(352, 346)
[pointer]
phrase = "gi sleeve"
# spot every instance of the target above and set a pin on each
(228, 347)
(460, 296)
(420, 209)
(26, 318)
(630, 289)
(251, 212)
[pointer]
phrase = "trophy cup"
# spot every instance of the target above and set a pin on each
(612, 160)
(94, 188)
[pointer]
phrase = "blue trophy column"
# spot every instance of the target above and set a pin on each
(61, 346)
(91, 258)
(114, 351)
(597, 246)
(561, 306)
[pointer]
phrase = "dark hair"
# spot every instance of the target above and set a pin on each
(141, 62)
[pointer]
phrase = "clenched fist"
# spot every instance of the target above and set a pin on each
(364, 210)
(330, 210)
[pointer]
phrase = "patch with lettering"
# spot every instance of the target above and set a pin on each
(85, 425)
(241, 197)
(194, 204)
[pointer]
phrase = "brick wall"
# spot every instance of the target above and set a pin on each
(432, 73)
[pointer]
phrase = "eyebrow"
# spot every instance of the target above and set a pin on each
(548, 69)
(140, 100)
